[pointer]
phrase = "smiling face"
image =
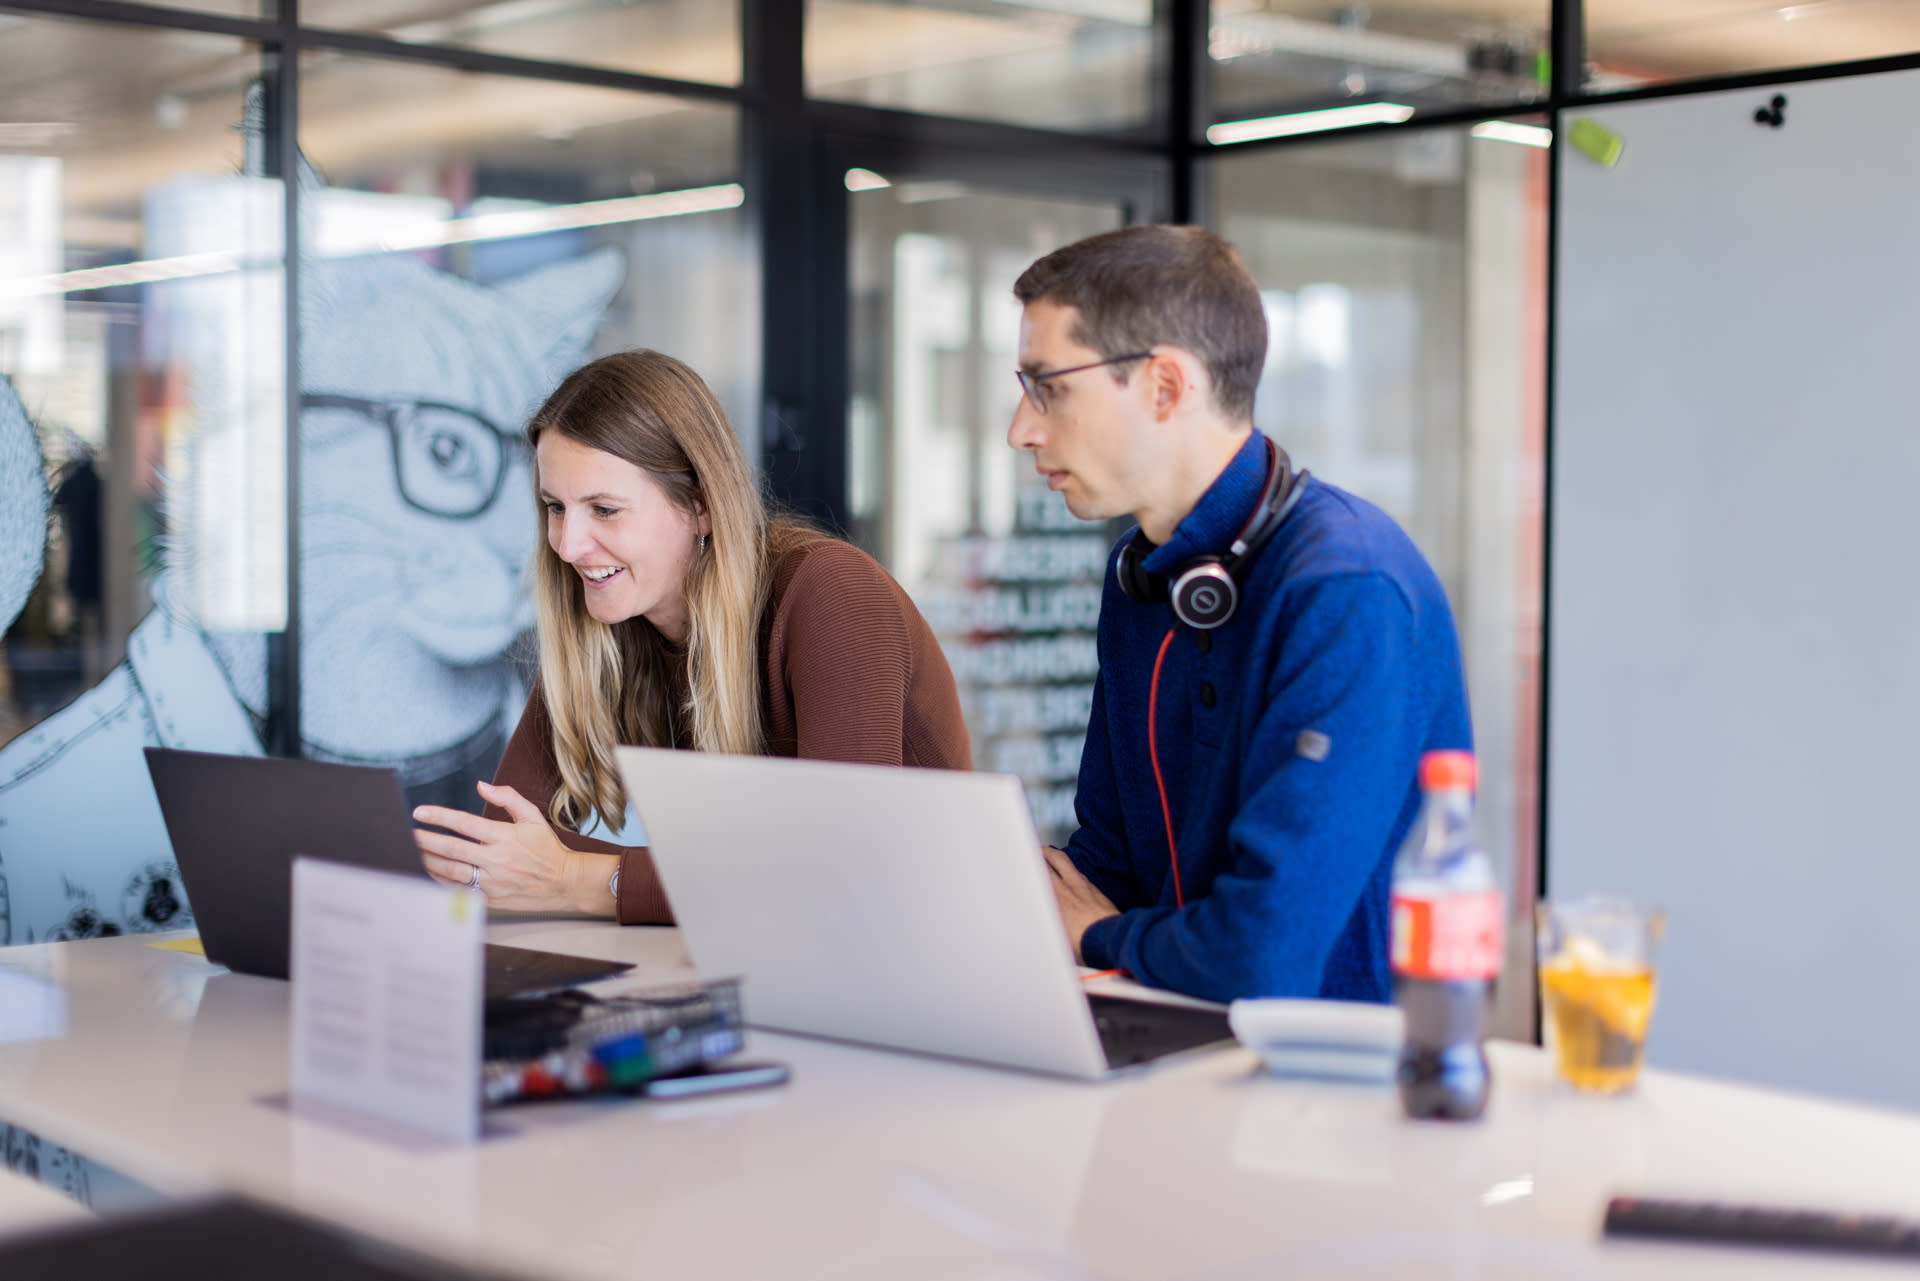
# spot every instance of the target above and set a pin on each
(614, 524)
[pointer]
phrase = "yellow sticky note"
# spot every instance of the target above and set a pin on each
(190, 945)
(1595, 141)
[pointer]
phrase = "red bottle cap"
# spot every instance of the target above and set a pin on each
(1447, 771)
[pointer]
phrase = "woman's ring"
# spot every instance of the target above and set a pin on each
(473, 882)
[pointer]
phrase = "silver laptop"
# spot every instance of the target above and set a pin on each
(905, 908)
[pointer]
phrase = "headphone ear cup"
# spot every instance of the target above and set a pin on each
(1205, 595)
(1140, 586)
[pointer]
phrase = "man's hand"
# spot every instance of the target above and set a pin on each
(523, 865)
(1080, 903)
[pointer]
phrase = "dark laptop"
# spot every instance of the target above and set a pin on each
(238, 822)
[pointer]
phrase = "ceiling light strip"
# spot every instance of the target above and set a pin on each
(500, 226)
(533, 222)
(1507, 131)
(1362, 113)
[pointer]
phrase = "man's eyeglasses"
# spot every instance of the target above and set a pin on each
(1036, 386)
(449, 461)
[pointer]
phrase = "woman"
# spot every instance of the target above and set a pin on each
(674, 612)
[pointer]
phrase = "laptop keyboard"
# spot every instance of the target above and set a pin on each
(1138, 1031)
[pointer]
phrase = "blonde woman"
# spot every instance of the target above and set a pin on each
(674, 612)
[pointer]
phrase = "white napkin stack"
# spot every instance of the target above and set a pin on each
(1321, 1040)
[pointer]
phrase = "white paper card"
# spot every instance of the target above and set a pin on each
(387, 984)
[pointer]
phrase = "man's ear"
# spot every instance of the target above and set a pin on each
(1169, 377)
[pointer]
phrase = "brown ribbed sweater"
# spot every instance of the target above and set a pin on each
(853, 673)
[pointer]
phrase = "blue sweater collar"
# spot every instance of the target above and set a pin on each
(1222, 511)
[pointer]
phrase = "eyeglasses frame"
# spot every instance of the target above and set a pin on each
(387, 412)
(1032, 386)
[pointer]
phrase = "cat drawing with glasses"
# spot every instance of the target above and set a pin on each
(414, 534)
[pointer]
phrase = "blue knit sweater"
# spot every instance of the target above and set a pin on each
(1290, 742)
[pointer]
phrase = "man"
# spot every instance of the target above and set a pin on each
(1275, 748)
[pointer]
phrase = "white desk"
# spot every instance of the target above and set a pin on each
(885, 1166)
(27, 1204)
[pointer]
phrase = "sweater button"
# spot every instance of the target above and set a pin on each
(1207, 696)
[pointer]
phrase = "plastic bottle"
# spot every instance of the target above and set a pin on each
(1447, 946)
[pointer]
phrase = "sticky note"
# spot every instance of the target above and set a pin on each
(191, 945)
(1596, 142)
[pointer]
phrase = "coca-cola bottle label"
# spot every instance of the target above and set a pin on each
(1453, 936)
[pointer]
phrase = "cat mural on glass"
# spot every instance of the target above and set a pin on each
(412, 586)
(23, 535)
(415, 529)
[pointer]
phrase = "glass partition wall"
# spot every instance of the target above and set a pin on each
(272, 502)
(1404, 279)
(1006, 575)
(266, 502)
(1287, 56)
(142, 395)
(461, 266)
(1056, 66)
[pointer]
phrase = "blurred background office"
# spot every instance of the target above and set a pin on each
(278, 285)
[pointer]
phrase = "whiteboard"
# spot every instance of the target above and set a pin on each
(1734, 604)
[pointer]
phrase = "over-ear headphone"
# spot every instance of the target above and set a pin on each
(1205, 589)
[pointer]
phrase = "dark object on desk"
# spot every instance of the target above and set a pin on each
(1724, 1224)
(523, 1027)
(238, 822)
(1134, 1032)
(571, 1043)
(523, 971)
(716, 1078)
(225, 1238)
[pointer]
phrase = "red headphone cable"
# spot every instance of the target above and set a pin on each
(1153, 754)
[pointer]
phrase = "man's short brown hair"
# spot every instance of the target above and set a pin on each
(1142, 286)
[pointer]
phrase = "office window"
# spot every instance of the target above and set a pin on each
(1644, 42)
(267, 9)
(682, 39)
(1008, 578)
(1405, 286)
(472, 239)
(1051, 65)
(142, 388)
(1282, 57)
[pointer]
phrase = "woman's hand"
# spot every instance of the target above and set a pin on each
(522, 864)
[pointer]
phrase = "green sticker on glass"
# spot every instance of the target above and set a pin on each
(1595, 141)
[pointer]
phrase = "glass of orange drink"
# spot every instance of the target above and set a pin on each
(1597, 988)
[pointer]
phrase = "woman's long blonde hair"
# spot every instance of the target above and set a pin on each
(609, 684)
